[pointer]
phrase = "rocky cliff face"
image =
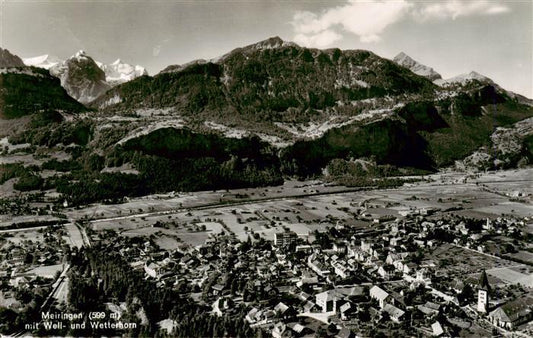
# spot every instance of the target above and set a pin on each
(81, 77)
(406, 61)
(8, 60)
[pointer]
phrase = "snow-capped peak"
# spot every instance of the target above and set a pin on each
(115, 73)
(45, 61)
(80, 54)
(469, 76)
(119, 72)
(416, 67)
(464, 79)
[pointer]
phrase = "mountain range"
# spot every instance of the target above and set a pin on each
(84, 78)
(259, 114)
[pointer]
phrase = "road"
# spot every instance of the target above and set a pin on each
(75, 235)
(79, 239)
(85, 238)
(231, 203)
(24, 229)
(57, 286)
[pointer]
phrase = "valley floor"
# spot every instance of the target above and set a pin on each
(438, 233)
(488, 194)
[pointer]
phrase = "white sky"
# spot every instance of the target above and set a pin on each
(492, 37)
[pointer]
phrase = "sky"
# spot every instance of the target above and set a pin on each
(492, 37)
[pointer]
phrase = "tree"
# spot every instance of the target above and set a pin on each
(385, 316)
(466, 295)
(234, 286)
(363, 315)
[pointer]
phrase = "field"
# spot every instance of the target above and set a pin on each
(457, 261)
(48, 271)
(174, 235)
(173, 202)
(16, 237)
(8, 220)
(519, 274)
(513, 183)
(302, 207)
(509, 208)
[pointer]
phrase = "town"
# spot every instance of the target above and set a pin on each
(368, 267)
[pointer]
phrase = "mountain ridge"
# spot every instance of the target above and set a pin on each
(45, 61)
(406, 61)
(8, 60)
(270, 51)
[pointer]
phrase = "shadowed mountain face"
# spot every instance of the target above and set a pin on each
(8, 60)
(81, 77)
(28, 90)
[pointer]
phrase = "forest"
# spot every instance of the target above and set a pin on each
(99, 275)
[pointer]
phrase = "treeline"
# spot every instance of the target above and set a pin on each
(158, 175)
(28, 178)
(367, 173)
(107, 187)
(368, 168)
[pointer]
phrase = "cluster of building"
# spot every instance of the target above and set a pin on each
(344, 280)
(29, 264)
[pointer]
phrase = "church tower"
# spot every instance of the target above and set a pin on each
(483, 293)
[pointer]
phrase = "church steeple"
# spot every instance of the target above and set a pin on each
(483, 291)
(484, 282)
